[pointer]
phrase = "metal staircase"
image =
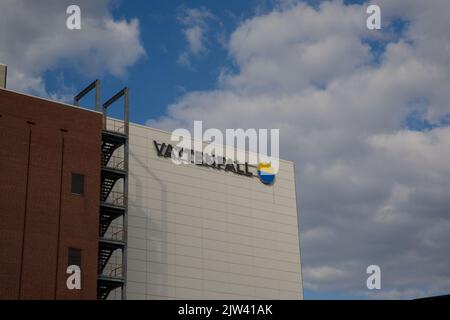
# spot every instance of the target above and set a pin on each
(107, 248)
(105, 285)
(108, 213)
(109, 177)
(113, 195)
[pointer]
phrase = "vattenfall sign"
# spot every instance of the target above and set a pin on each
(263, 170)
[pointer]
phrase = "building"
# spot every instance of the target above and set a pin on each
(3, 72)
(198, 232)
(46, 220)
(80, 188)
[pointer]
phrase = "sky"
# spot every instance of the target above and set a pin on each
(364, 114)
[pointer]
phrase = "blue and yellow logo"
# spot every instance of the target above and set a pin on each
(266, 173)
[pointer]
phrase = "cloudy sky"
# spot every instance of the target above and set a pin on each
(364, 114)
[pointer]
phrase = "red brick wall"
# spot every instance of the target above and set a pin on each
(41, 144)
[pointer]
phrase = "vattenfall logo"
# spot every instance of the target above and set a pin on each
(264, 171)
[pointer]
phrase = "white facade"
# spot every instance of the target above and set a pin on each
(200, 233)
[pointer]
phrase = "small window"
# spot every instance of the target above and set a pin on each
(74, 257)
(78, 184)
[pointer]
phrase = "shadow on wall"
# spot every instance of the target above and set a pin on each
(156, 243)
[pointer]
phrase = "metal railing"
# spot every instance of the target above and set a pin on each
(116, 198)
(113, 270)
(115, 232)
(115, 126)
(116, 162)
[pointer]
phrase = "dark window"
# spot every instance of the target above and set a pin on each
(74, 257)
(78, 184)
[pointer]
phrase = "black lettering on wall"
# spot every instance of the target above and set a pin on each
(160, 147)
(168, 153)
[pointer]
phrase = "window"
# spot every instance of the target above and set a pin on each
(78, 184)
(74, 257)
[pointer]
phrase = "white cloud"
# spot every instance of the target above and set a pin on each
(194, 37)
(323, 273)
(31, 47)
(371, 191)
(195, 22)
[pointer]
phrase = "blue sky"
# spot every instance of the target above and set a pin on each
(364, 115)
(157, 80)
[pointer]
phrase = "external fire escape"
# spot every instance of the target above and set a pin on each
(113, 195)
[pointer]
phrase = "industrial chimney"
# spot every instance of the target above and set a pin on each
(3, 71)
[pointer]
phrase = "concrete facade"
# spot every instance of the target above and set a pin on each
(199, 233)
(41, 144)
(3, 73)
